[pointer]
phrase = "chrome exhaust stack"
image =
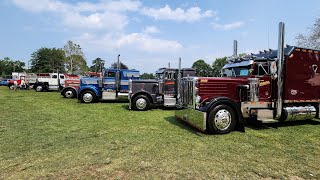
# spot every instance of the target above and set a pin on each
(179, 103)
(280, 64)
(118, 74)
(235, 48)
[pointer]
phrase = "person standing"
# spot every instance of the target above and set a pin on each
(23, 84)
(15, 84)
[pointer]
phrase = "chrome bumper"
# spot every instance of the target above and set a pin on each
(195, 118)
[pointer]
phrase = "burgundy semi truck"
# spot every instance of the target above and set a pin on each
(271, 86)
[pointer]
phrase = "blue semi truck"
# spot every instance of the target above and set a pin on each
(113, 85)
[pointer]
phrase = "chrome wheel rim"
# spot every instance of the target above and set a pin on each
(69, 94)
(87, 97)
(39, 88)
(222, 119)
(141, 103)
(11, 87)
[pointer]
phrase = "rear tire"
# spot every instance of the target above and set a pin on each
(222, 119)
(88, 97)
(39, 88)
(141, 103)
(69, 93)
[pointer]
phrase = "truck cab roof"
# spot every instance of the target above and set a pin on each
(162, 70)
(266, 55)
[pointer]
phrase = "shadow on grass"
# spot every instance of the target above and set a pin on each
(126, 107)
(183, 125)
(261, 126)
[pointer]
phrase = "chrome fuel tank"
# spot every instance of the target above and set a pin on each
(299, 113)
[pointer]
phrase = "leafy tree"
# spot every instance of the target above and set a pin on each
(217, 66)
(202, 68)
(80, 66)
(312, 39)
(47, 60)
(97, 65)
(75, 60)
(147, 76)
(122, 66)
(7, 66)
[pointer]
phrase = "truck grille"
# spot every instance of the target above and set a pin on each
(188, 91)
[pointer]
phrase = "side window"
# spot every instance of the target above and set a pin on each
(166, 75)
(54, 76)
(61, 77)
(261, 69)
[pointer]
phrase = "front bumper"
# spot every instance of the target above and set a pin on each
(195, 118)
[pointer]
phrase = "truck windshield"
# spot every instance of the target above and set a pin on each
(131, 74)
(159, 76)
(235, 72)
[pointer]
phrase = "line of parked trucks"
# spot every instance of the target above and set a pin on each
(271, 86)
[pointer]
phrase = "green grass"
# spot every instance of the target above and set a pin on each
(44, 136)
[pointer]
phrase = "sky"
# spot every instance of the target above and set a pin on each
(150, 34)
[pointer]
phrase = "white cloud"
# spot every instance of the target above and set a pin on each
(116, 6)
(138, 41)
(103, 15)
(107, 21)
(166, 13)
(227, 27)
(151, 29)
(41, 6)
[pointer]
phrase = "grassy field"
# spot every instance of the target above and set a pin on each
(45, 136)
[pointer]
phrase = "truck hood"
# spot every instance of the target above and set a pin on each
(89, 80)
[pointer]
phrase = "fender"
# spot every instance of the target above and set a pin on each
(91, 88)
(225, 100)
(144, 93)
(68, 87)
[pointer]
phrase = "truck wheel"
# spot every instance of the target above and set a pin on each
(39, 88)
(222, 119)
(141, 103)
(88, 97)
(69, 93)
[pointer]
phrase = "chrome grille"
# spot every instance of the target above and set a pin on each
(188, 92)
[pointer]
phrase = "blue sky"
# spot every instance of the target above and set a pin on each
(149, 34)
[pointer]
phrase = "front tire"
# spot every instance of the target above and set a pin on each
(141, 103)
(222, 119)
(88, 97)
(69, 93)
